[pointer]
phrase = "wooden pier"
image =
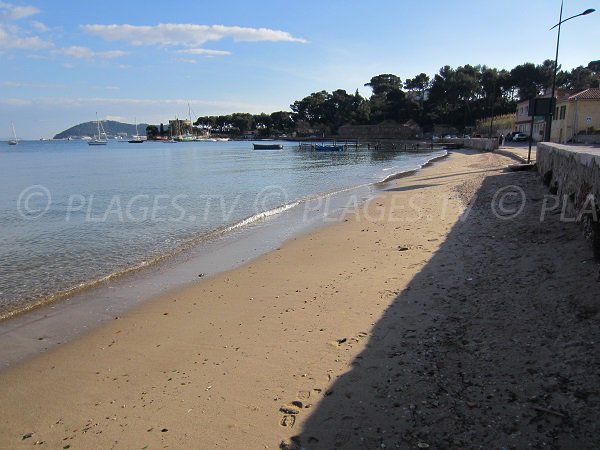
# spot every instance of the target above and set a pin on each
(382, 145)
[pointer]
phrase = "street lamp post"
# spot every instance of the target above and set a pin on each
(560, 22)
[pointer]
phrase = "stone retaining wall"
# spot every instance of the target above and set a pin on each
(573, 174)
(483, 144)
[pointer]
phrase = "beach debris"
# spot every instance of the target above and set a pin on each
(26, 436)
(200, 275)
(164, 430)
(289, 410)
(297, 403)
(548, 411)
(341, 341)
(401, 248)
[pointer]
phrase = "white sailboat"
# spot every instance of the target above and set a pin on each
(14, 140)
(98, 139)
(137, 139)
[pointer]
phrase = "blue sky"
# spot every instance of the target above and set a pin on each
(63, 61)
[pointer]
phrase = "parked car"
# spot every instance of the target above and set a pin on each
(520, 137)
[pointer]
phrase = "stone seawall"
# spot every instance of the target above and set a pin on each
(573, 175)
(483, 144)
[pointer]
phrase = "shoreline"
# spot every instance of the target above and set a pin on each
(51, 316)
(354, 334)
(189, 245)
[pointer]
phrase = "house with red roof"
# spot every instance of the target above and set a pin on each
(577, 117)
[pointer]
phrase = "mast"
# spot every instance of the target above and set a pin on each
(190, 114)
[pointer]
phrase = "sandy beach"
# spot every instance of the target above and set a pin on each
(454, 310)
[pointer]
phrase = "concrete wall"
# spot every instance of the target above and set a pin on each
(587, 138)
(573, 174)
(483, 144)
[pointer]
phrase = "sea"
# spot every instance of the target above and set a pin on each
(73, 216)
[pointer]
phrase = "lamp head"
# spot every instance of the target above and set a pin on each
(588, 11)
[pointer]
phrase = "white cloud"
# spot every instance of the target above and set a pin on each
(19, 84)
(15, 12)
(11, 37)
(17, 102)
(87, 53)
(116, 118)
(117, 103)
(39, 26)
(106, 88)
(186, 35)
(204, 52)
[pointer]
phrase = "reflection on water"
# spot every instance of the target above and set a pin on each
(71, 213)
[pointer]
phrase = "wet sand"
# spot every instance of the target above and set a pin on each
(425, 319)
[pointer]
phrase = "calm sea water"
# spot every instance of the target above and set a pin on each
(72, 214)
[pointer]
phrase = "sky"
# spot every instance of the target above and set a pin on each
(63, 61)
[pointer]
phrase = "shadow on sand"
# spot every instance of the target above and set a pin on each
(492, 345)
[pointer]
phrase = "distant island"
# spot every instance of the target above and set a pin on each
(112, 128)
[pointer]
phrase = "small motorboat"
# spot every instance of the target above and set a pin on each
(268, 146)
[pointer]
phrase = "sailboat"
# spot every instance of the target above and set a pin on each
(14, 140)
(98, 140)
(137, 139)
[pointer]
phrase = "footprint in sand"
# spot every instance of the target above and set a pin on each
(304, 395)
(290, 410)
(288, 420)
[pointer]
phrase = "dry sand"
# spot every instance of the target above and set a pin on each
(422, 320)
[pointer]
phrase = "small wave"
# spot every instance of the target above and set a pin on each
(409, 172)
(198, 240)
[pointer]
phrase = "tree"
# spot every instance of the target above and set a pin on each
(382, 84)
(419, 84)
(387, 99)
(580, 78)
(311, 109)
(152, 131)
(528, 80)
(594, 66)
(282, 122)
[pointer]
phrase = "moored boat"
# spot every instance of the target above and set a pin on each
(268, 146)
(14, 140)
(329, 148)
(136, 139)
(98, 140)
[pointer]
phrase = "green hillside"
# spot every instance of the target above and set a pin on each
(111, 127)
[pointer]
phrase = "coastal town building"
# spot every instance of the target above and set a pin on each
(523, 122)
(577, 117)
(179, 126)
